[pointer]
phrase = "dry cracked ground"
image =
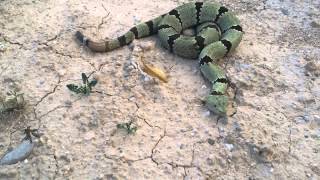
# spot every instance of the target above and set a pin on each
(274, 134)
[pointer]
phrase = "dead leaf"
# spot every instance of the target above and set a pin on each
(154, 72)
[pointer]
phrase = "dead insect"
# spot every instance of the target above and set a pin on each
(86, 88)
(14, 101)
(129, 127)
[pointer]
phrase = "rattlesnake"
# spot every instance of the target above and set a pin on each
(218, 32)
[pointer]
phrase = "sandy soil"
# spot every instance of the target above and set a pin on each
(275, 133)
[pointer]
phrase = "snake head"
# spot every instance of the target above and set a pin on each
(217, 104)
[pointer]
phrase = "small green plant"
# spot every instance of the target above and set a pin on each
(86, 88)
(13, 101)
(129, 127)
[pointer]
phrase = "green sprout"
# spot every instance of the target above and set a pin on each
(14, 101)
(129, 127)
(86, 88)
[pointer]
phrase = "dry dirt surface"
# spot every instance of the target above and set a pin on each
(275, 133)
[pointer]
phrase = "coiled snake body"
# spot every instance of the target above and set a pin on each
(218, 32)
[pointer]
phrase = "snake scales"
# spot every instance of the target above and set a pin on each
(218, 32)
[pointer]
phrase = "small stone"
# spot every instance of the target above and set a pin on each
(284, 11)
(68, 103)
(299, 120)
(136, 20)
(236, 126)
(146, 79)
(211, 141)
(89, 135)
(271, 170)
(314, 24)
(210, 162)
(131, 67)
(132, 99)
(307, 118)
(317, 133)
(147, 46)
(229, 146)
(206, 114)
(2, 47)
(62, 72)
(312, 68)
(182, 146)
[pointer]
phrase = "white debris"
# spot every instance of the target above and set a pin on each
(229, 146)
(206, 114)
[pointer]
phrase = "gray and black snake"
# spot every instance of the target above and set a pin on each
(218, 32)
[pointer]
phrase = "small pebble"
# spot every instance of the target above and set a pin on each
(89, 135)
(147, 79)
(229, 146)
(315, 24)
(211, 141)
(2, 47)
(271, 170)
(147, 46)
(206, 114)
(136, 20)
(317, 134)
(284, 11)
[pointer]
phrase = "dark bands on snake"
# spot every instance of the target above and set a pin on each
(218, 32)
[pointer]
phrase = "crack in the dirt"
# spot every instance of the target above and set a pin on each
(39, 118)
(35, 106)
(7, 40)
(155, 146)
(264, 4)
(104, 18)
(57, 166)
(101, 66)
(45, 43)
(290, 133)
(125, 160)
(92, 65)
(290, 139)
(176, 165)
(49, 93)
(49, 40)
(3, 70)
(191, 165)
(145, 121)
(62, 53)
(102, 92)
(53, 38)
(54, 109)
(185, 173)
(172, 164)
